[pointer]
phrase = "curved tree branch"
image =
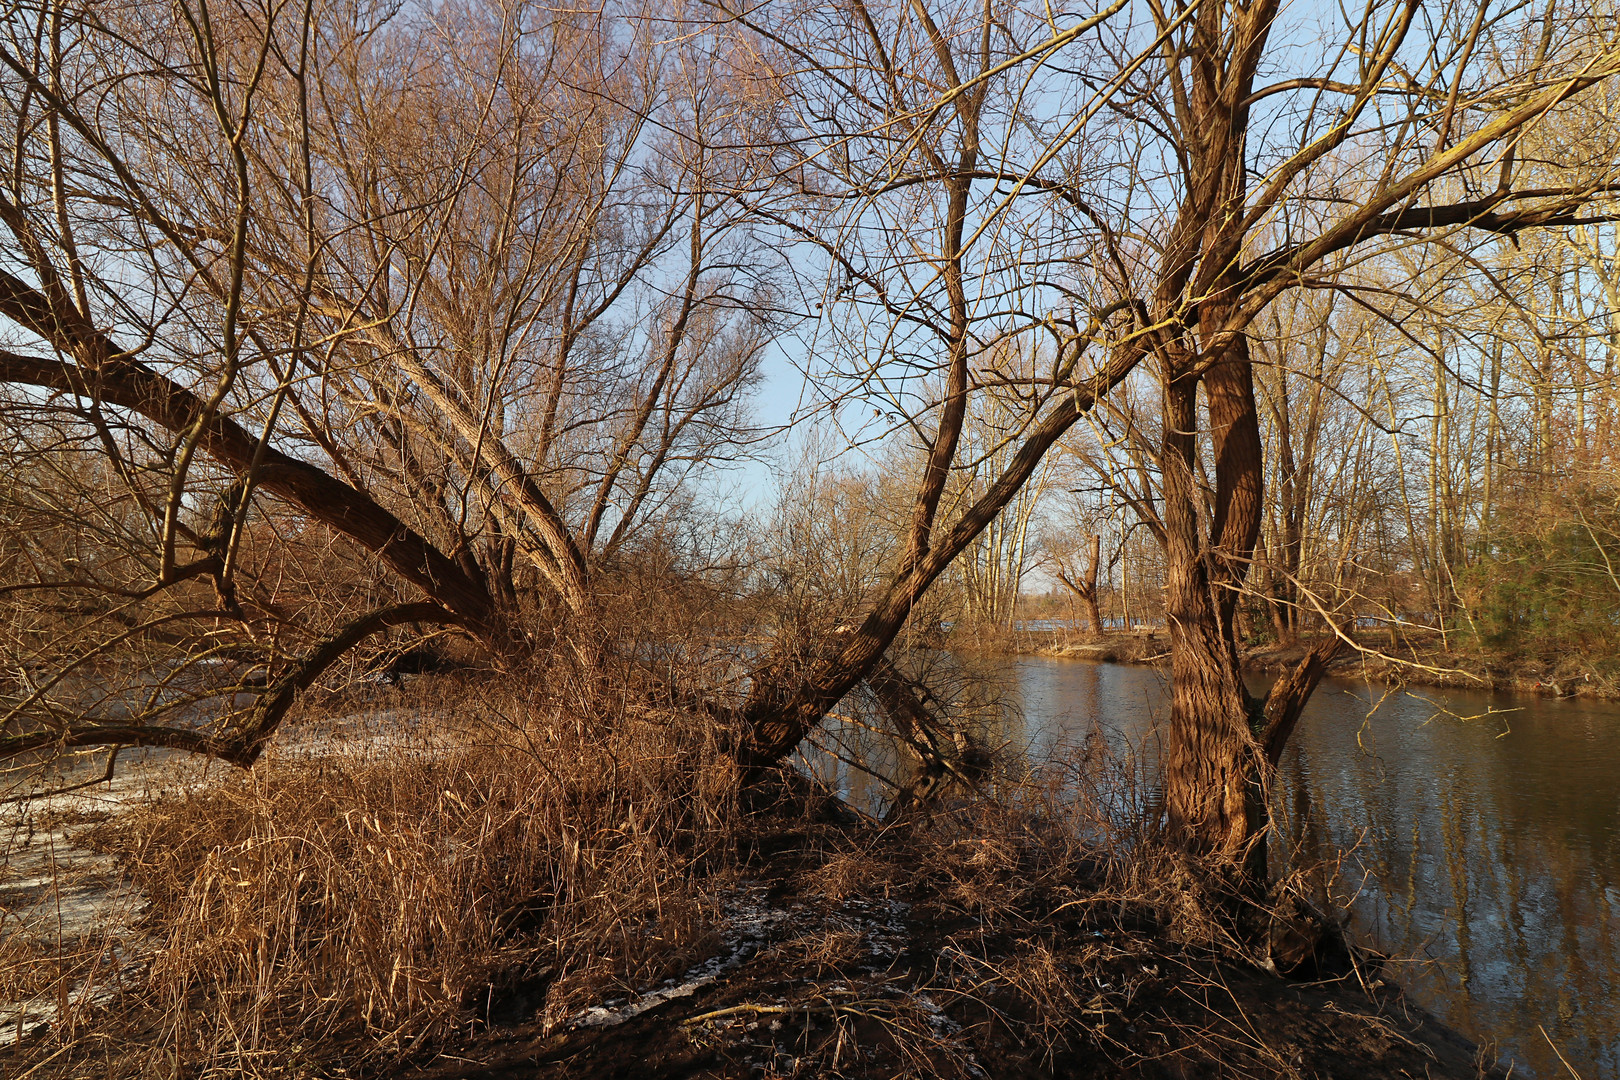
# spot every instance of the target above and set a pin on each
(243, 747)
(126, 383)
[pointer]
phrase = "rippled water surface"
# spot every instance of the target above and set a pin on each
(1480, 837)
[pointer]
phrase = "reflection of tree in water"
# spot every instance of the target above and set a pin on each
(871, 757)
(1453, 846)
(1410, 816)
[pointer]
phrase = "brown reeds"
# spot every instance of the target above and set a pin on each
(387, 891)
(380, 885)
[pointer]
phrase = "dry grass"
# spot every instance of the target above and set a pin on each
(362, 900)
(372, 898)
(852, 873)
(1069, 936)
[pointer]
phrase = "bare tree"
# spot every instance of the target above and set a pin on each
(471, 288)
(460, 289)
(1141, 164)
(1075, 565)
(880, 164)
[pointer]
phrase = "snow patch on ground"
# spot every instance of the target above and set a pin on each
(59, 897)
(749, 925)
(882, 925)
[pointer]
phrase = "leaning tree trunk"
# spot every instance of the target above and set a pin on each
(791, 693)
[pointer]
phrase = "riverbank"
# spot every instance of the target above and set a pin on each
(409, 898)
(975, 954)
(1417, 660)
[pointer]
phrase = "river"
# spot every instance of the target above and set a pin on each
(1480, 836)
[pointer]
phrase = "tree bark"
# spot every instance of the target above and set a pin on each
(1209, 749)
(108, 374)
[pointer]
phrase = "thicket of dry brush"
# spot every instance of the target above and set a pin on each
(378, 895)
(384, 892)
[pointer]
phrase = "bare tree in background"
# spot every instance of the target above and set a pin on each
(1075, 561)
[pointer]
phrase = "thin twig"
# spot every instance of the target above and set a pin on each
(1559, 1052)
(104, 778)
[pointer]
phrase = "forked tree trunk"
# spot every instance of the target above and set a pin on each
(1084, 586)
(1209, 748)
(1222, 744)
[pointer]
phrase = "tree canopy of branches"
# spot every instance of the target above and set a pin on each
(455, 290)
(1047, 208)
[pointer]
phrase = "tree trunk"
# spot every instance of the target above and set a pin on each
(1084, 587)
(1222, 744)
(1094, 614)
(1209, 750)
(791, 693)
(1090, 594)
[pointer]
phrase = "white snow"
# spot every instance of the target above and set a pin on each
(749, 924)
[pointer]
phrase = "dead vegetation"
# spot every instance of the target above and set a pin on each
(564, 882)
(381, 896)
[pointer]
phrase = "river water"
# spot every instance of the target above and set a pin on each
(1476, 835)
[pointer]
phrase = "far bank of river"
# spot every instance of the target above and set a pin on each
(1476, 835)
(1418, 660)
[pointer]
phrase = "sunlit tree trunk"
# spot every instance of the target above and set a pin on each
(1209, 755)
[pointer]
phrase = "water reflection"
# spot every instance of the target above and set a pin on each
(1478, 834)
